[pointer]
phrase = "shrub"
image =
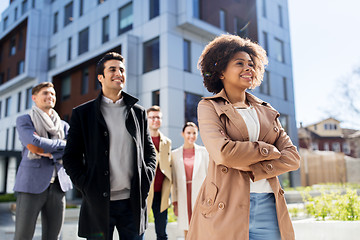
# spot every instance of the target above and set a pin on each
(171, 215)
(332, 205)
(9, 197)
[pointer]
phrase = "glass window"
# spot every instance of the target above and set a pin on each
(314, 146)
(12, 50)
(68, 16)
(265, 42)
(264, 8)
(222, 15)
(15, 13)
(2, 78)
(285, 88)
(280, 16)
(156, 98)
(1, 52)
(33, 3)
(28, 99)
(154, 8)
(56, 20)
(85, 81)
(83, 45)
(7, 106)
(0, 109)
(236, 25)
(14, 138)
(265, 85)
(279, 50)
(326, 146)
(5, 24)
(196, 9)
(187, 55)
(20, 67)
(336, 147)
(101, 1)
(125, 18)
(284, 120)
(52, 62)
(97, 84)
(346, 148)
(105, 29)
(151, 55)
(23, 7)
(191, 103)
(7, 139)
(69, 49)
(19, 102)
(65, 88)
(81, 8)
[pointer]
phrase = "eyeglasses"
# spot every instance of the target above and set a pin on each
(155, 118)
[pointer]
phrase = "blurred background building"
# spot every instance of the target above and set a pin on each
(62, 40)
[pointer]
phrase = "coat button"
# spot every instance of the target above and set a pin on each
(269, 167)
(265, 151)
(224, 169)
(276, 129)
(105, 194)
(106, 152)
(105, 133)
(221, 205)
(106, 173)
(209, 202)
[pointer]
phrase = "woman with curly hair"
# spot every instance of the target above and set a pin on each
(241, 197)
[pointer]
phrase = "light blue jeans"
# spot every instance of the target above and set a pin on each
(263, 218)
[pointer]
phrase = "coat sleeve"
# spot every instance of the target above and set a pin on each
(288, 161)
(225, 151)
(174, 190)
(149, 155)
(35, 143)
(74, 152)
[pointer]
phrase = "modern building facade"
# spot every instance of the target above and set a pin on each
(161, 40)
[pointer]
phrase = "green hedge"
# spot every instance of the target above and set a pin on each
(9, 197)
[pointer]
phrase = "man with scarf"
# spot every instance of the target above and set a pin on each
(41, 181)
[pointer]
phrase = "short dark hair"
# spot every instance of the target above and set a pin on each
(217, 54)
(189, 124)
(108, 56)
(37, 88)
(154, 108)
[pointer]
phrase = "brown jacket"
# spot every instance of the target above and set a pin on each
(223, 204)
(163, 160)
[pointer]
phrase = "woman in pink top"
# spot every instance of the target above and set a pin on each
(189, 168)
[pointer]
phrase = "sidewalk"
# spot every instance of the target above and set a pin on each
(306, 229)
(69, 231)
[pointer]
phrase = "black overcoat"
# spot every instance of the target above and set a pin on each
(86, 160)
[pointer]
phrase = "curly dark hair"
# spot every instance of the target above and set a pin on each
(217, 54)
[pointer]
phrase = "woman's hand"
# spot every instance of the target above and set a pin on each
(175, 208)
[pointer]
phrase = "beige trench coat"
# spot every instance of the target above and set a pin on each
(222, 208)
(163, 159)
(179, 189)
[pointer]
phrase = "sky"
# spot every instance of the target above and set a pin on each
(325, 41)
(325, 45)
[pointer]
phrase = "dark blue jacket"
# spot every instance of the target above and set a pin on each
(34, 175)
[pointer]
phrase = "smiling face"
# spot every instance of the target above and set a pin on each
(190, 135)
(45, 99)
(239, 72)
(154, 120)
(114, 76)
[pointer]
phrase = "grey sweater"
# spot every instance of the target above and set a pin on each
(121, 158)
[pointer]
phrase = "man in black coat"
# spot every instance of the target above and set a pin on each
(110, 158)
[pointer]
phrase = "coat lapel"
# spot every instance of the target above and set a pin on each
(197, 162)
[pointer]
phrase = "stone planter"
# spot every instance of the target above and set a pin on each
(310, 229)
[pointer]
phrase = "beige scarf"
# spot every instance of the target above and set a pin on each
(45, 124)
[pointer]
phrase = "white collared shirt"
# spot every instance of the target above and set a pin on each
(108, 100)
